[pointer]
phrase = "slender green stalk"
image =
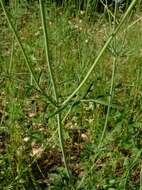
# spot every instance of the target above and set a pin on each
(13, 41)
(112, 81)
(111, 88)
(109, 103)
(60, 132)
(109, 12)
(25, 55)
(65, 103)
(11, 57)
(101, 53)
(47, 47)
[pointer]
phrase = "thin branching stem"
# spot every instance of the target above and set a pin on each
(109, 103)
(28, 64)
(11, 56)
(112, 80)
(101, 53)
(112, 37)
(65, 103)
(60, 132)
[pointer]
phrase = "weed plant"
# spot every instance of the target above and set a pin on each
(70, 100)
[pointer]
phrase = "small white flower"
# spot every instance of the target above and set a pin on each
(26, 139)
(82, 12)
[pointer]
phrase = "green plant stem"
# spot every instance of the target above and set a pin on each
(109, 103)
(65, 103)
(25, 56)
(13, 43)
(60, 132)
(11, 57)
(112, 82)
(101, 53)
